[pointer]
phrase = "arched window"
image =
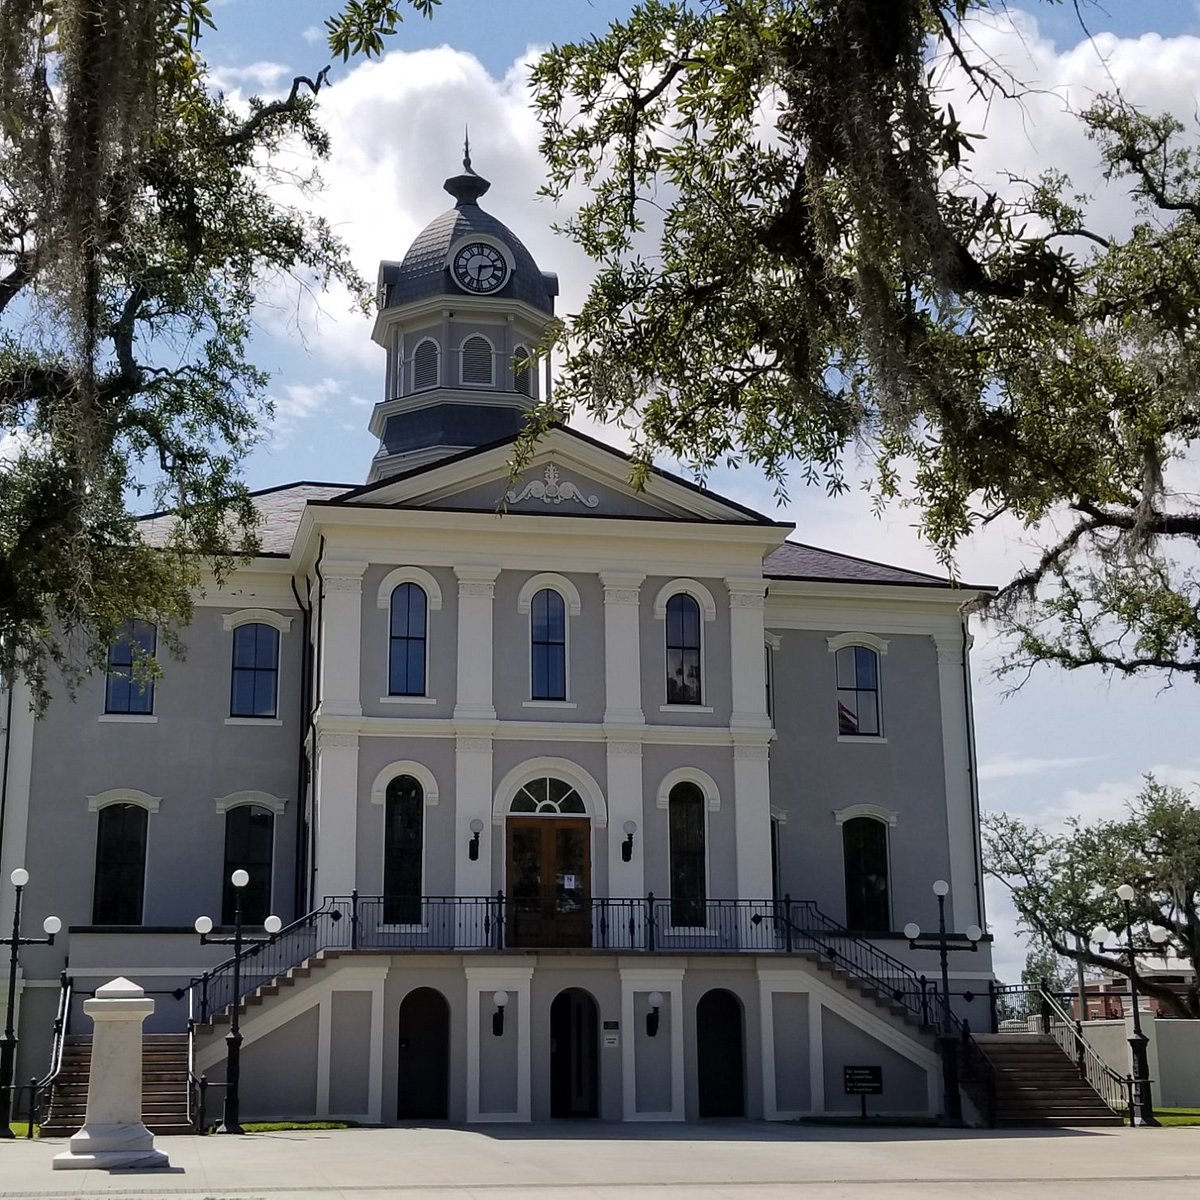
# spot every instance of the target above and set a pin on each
(683, 650)
(425, 369)
(249, 847)
(255, 684)
(406, 661)
(477, 360)
(685, 819)
(548, 796)
(123, 692)
(864, 843)
(403, 851)
(522, 371)
(858, 691)
(548, 645)
(120, 865)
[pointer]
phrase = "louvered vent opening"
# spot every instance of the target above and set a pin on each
(476, 361)
(522, 371)
(425, 366)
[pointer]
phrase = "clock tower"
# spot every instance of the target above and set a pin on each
(460, 317)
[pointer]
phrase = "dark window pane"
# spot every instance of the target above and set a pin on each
(254, 684)
(120, 865)
(249, 847)
(865, 846)
(123, 693)
(683, 650)
(548, 649)
(864, 659)
(858, 691)
(403, 844)
(686, 831)
(406, 655)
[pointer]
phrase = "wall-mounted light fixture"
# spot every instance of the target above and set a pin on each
(655, 1000)
(500, 1000)
(630, 828)
(476, 828)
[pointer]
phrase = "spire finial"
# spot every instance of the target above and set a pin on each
(467, 150)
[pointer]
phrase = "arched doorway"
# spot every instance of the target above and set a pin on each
(423, 1076)
(720, 1061)
(574, 1055)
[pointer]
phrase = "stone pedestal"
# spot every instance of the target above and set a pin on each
(113, 1136)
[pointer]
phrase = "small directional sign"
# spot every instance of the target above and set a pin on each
(863, 1081)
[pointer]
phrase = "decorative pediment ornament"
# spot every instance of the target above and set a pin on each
(552, 489)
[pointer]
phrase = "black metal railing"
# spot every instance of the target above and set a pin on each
(41, 1091)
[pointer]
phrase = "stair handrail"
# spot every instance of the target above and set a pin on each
(1067, 1031)
(62, 1022)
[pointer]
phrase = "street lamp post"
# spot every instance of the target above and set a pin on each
(1138, 1040)
(8, 1045)
(947, 1039)
(231, 1122)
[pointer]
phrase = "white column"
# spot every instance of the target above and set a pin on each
(752, 818)
(476, 589)
(625, 879)
(816, 1053)
(622, 649)
(747, 653)
(337, 813)
(964, 900)
(472, 802)
(341, 631)
(113, 1136)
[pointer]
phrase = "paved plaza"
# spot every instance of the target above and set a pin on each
(622, 1162)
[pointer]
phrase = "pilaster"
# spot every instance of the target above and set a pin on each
(622, 648)
(473, 802)
(747, 653)
(476, 592)
(625, 804)
(752, 813)
(341, 632)
(336, 813)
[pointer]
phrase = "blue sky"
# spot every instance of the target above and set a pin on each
(1065, 743)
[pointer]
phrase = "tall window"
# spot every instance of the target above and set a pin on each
(403, 851)
(683, 650)
(255, 683)
(406, 662)
(425, 365)
(522, 371)
(685, 812)
(122, 692)
(864, 842)
(249, 847)
(477, 360)
(548, 645)
(120, 865)
(858, 691)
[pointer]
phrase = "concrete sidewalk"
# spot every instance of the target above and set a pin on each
(638, 1162)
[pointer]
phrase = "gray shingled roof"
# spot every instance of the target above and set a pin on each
(793, 560)
(279, 509)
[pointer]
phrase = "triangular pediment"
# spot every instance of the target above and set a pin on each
(570, 475)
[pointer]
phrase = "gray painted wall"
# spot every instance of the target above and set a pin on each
(904, 1083)
(793, 1083)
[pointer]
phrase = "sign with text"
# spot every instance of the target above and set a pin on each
(863, 1081)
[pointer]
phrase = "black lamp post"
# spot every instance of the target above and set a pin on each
(947, 1039)
(1138, 1041)
(230, 1122)
(8, 1045)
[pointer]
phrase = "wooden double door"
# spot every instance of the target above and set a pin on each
(549, 881)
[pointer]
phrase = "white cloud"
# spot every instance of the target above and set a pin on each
(1021, 766)
(257, 78)
(297, 403)
(314, 35)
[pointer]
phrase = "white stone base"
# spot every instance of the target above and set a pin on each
(111, 1147)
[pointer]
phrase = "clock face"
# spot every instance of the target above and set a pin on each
(480, 268)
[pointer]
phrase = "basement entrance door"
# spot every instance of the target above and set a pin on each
(549, 881)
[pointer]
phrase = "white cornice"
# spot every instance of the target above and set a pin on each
(459, 306)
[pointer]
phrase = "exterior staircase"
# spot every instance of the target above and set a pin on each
(1037, 1084)
(164, 1085)
(290, 978)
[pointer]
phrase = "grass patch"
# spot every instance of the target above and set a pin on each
(21, 1129)
(283, 1126)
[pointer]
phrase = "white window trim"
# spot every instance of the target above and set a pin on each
(412, 366)
(247, 798)
(429, 789)
(256, 616)
(569, 593)
(712, 803)
(875, 811)
(394, 578)
(880, 646)
(557, 583)
(589, 790)
(261, 722)
(128, 718)
(123, 796)
(405, 766)
(491, 383)
(695, 589)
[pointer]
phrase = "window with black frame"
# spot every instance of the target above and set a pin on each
(865, 848)
(120, 865)
(249, 846)
(406, 648)
(124, 692)
(685, 811)
(255, 683)
(683, 650)
(858, 692)
(403, 851)
(548, 646)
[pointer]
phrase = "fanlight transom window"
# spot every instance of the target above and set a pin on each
(548, 796)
